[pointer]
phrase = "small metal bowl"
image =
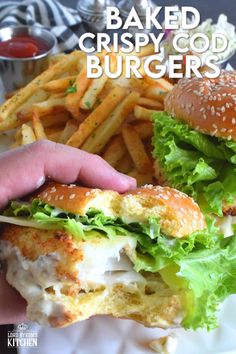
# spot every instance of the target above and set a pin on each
(93, 14)
(17, 72)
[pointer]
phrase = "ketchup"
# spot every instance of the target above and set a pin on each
(23, 47)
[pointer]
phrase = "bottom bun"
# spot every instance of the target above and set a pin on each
(65, 280)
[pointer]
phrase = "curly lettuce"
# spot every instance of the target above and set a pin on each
(200, 165)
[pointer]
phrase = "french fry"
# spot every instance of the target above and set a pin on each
(15, 145)
(44, 108)
(97, 116)
(93, 114)
(28, 135)
(73, 99)
(88, 100)
(29, 94)
(155, 93)
(26, 111)
(18, 134)
(138, 84)
(59, 85)
(149, 49)
(57, 119)
(82, 62)
(150, 103)
(125, 165)
(18, 138)
(143, 113)
(38, 127)
(145, 51)
(115, 150)
(53, 130)
(136, 150)
(54, 133)
(149, 147)
(109, 86)
(54, 59)
(70, 128)
(165, 84)
(142, 178)
(161, 83)
(108, 128)
(54, 136)
(144, 129)
(50, 106)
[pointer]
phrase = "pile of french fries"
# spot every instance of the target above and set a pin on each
(111, 118)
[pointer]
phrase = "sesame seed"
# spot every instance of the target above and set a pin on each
(148, 186)
(72, 196)
(165, 197)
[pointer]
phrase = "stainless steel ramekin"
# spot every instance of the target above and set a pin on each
(17, 72)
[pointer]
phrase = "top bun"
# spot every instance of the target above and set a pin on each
(207, 105)
(179, 215)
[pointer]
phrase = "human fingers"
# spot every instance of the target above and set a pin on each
(25, 169)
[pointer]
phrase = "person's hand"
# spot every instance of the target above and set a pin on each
(25, 169)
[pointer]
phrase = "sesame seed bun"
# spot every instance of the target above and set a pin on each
(77, 200)
(179, 215)
(207, 105)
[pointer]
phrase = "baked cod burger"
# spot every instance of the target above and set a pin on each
(195, 143)
(146, 255)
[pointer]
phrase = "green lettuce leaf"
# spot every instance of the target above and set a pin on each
(202, 166)
(205, 277)
(209, 285)
(149, 237)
